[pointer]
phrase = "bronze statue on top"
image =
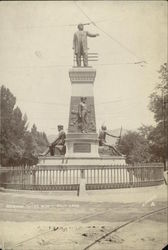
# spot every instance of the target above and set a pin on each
(80, 45)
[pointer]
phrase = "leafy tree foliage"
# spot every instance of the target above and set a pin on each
(39, 140)
(135, 147)
(159, 97)
(29, 156)
(17, 144)
(159, 106)
(148, 143)
(155, 139)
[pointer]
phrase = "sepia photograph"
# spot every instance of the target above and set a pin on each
(83, 125)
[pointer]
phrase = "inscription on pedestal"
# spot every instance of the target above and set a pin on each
(82, 148)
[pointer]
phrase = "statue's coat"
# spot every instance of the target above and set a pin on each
(80, 41)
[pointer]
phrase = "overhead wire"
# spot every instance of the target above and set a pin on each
(51, 26)
(109, 35)
(69, 65)
(39, 27)
(97, 103)
(141, 62)
(106, 33)
(48, 103)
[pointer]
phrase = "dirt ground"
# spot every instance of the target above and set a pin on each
(31, 220)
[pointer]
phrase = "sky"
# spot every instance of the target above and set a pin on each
(36, 55)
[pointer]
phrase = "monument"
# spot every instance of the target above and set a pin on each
(82, 137)
(83, 144)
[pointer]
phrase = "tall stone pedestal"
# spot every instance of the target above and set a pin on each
(79, 142)
(82, 145)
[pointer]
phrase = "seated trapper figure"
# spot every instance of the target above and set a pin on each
(102, 139)
(58, 143)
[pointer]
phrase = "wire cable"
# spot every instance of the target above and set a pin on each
(140, 63)
(106, 33)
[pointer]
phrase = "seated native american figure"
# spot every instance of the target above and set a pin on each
(102, 142)
(58, 145)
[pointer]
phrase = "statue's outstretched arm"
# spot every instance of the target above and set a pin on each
(92, 35)
(112, 135)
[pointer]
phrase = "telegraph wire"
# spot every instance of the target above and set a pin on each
(48, 103)
(140, 63)
(69, 65)
(43, 27)
(52, 26)
(83, 12)
(106, 33)
(97, 103)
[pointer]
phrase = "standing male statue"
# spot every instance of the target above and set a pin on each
(80, 45)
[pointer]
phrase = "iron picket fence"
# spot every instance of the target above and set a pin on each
(68, 177)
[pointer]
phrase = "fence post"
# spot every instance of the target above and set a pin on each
(130, 175)
(33, 176)
(82, 182)
(22, 181)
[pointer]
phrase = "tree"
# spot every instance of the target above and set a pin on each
(17, 144)
(29, 156)
(12, 128)
(145, 131)
(40, 140)
(159, 106)
(160, 94)
(135, 147)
